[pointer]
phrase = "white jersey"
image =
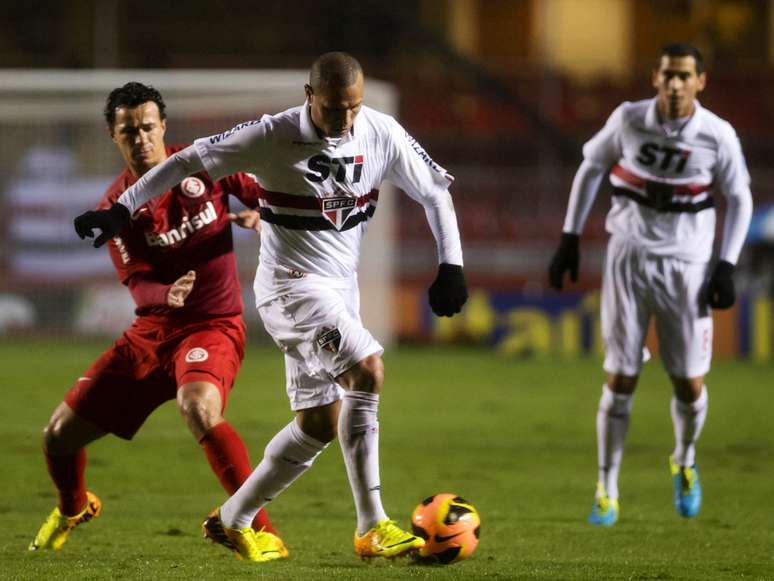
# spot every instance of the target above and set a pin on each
(321, 192)
(665, 178)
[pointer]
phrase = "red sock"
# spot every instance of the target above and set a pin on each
(228, 458)
(67, 472)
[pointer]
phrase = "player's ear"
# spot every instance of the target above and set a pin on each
(654, 78)
(308, 92)
(701, 83)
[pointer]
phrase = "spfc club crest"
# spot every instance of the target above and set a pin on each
(329, 339)
(337, 209)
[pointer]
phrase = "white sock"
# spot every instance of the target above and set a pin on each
(688, 420)
(288, 455)
(359, 439)
(612, 425)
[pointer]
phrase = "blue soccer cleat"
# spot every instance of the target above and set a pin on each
(687, 496)
(605, 510)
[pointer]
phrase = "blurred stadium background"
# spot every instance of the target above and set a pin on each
(502, 93)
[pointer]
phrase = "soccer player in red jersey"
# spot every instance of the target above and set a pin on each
(176, 257)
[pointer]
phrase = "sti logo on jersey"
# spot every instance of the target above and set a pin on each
(670, 158)
(321, 166)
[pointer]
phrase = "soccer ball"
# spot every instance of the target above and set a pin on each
(450, 526)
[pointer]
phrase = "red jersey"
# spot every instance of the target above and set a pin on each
(186, 228)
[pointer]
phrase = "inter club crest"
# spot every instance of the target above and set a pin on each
(329, 339)
(196, 355)
(193, 187)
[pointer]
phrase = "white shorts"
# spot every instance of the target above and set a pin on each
(637, 285)
(316, 323)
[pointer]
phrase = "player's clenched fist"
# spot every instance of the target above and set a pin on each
(567, 257)
(110, 222)
(720, 293)
(180, 290)
(448, 292)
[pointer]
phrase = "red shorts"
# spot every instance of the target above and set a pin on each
(147, 364)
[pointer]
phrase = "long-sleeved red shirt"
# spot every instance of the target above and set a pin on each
(187, 228)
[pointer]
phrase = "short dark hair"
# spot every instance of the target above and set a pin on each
(334, 69)
(680, 49)
(131, 95)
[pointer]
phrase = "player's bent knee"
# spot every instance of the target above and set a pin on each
(53, 443)
(367, 375)
(66, 432)
(200, 404)
(688, 389)
(320, 423)
(625, 384)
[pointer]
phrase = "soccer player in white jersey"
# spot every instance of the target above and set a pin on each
(320, 165)
(669, 160)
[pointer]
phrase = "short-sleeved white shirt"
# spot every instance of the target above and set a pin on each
(321, 192)
(674, 215)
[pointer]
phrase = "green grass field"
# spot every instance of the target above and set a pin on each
(516, 437)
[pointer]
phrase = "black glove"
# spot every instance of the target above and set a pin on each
(567, 257)
(448, 292)
(110, 221)
(720, 293)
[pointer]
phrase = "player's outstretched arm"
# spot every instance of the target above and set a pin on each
(154, 183)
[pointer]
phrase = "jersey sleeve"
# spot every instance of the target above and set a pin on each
(147, 292)
(605, 149)
(414, 171)
(125, 261)
(584, 190)
(244, 186)
(733, 180)
(161, 178)
(137, 275)
(731, 174)
(242, 148)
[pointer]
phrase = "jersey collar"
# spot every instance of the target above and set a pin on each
(691, 127)
(309, 131)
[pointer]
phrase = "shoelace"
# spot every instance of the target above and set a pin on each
(603, 500)
(688, 478)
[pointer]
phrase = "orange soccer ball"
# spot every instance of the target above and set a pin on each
(450, 526)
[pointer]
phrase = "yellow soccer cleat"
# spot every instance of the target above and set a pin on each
(386, 539)
(53, 533)
(247, 544)
(605, 510)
